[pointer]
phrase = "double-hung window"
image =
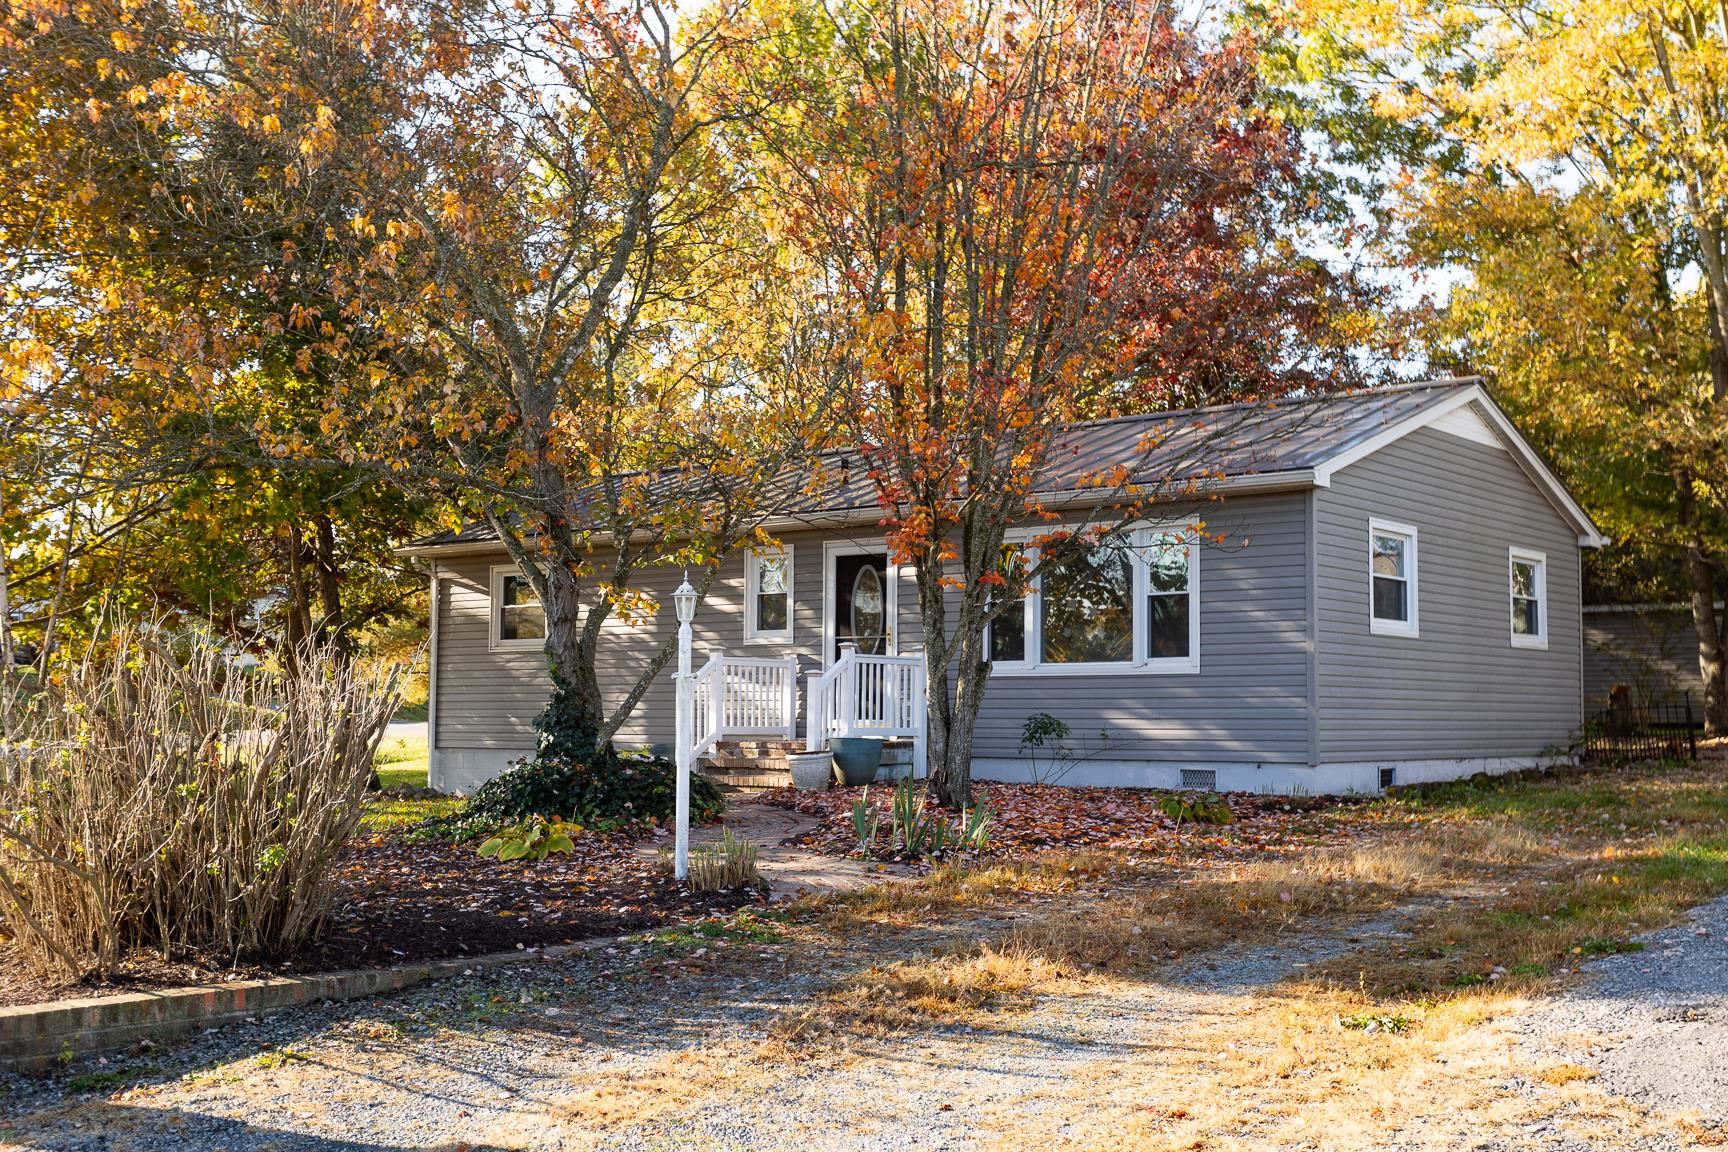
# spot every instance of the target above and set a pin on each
(768, 595)
(1529, 588)
(518, 619)
(1127, 602)
(1391, 578)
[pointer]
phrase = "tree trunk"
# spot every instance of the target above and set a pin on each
(1704, 575)
(571, 725)
(953, 704)
(1709, 624)
(954, 725)
(332, 630)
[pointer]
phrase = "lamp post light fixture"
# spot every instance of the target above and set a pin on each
(684, 602)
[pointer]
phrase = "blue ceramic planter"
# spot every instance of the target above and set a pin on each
(857, 757)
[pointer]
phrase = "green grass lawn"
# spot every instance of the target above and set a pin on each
(401, 762)
(385, 813)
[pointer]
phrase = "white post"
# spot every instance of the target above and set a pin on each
(685, 601)
(846, 707)
(816, 722)
(789, 701)
(921, 719)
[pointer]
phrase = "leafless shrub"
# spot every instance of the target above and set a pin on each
(156, 795)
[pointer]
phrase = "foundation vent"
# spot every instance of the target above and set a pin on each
(1202, 779)
(1387, 777)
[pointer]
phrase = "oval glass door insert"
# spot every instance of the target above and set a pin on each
(869, 611)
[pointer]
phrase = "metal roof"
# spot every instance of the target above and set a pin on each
(1291, 442)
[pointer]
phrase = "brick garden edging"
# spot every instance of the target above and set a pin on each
(34, 1036)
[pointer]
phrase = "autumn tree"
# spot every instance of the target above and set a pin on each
(1027, 214)
(588, 341)
(1571, 158)
(170, 227)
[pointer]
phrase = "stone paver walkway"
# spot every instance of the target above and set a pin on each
(787, 868)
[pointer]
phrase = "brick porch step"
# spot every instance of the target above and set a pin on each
(753, 778)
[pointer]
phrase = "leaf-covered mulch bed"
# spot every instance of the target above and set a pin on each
(1038, 817)
(398, 901)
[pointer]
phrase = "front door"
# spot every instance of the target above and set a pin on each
(862, 612)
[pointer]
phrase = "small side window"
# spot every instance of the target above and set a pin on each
(1529, 589)
(768, 595)
(518, 620)
(1391, 578)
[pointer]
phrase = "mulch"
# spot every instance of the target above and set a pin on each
(1031, 818)
(398, 902)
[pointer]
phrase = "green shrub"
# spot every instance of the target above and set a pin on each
(1196, 809)
(610, 791)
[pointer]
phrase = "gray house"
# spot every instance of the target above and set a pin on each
(1385, 590)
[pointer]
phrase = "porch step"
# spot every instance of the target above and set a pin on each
(770, 749)
(752, 777)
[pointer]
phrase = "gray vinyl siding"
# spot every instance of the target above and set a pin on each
(1653, 651)
(488, 699)
(1459, 689)
(1249, 701)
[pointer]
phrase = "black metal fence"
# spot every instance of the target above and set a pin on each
(1659, 731)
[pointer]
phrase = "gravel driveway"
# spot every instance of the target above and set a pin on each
(1653, 1024)
(631, 1048)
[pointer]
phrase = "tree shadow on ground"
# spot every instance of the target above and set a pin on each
(120, 1127)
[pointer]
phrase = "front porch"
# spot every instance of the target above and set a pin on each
(749, 713)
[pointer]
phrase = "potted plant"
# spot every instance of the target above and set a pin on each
(857, 758)
(811, 771)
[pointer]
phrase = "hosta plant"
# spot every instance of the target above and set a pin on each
(533, 839)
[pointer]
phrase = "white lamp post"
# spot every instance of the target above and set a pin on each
(684, 600)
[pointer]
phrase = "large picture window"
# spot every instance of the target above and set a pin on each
(1125, 603)
(768, 595)
(518, 619)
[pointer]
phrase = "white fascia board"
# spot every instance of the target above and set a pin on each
(471, 548)
(1323, 473)
(1589, 536)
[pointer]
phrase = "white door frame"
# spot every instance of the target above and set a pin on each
(830, 597)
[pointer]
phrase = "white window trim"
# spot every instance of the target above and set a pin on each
(1540, 559)
(495, 622)
(1412, 574)
(1140, 664)
(752, 582)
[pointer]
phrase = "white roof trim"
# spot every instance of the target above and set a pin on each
(1589, 536)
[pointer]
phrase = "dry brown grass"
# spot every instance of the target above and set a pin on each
(956, 887)
(1256, 902)
(959, 988)
(1081, 914)
(646, 1093)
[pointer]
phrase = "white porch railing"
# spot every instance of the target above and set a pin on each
(743, 696)
(879, 696)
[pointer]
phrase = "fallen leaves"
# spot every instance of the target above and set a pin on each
(1030, 818)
